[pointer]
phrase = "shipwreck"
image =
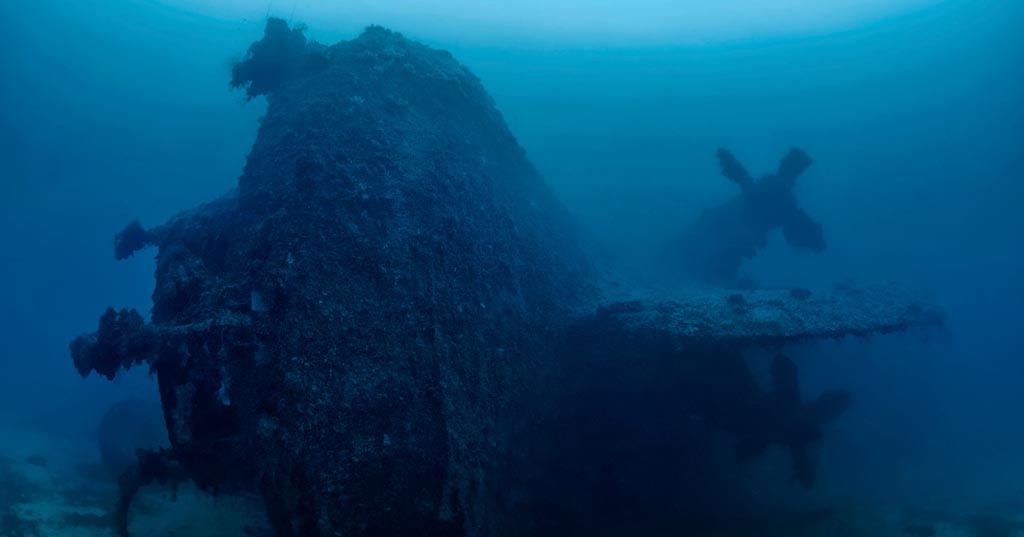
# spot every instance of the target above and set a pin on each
(390, 328)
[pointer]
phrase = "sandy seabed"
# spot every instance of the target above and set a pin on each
(55, 485)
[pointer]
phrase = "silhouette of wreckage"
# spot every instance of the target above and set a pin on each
(713, 249)
(368, 328)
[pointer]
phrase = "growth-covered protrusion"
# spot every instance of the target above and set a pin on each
(123, 340)
(130, 240)
(282, 54)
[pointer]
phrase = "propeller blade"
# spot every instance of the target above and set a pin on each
(802, 232)
(793, 164)
(732, 169)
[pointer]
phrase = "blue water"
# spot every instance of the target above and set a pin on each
(115, 110)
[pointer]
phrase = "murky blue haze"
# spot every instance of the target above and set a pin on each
(119, 110)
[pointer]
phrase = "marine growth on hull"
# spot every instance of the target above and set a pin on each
(390, 327)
